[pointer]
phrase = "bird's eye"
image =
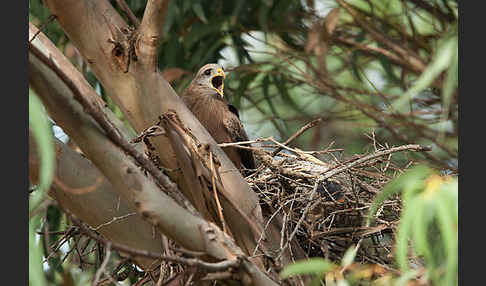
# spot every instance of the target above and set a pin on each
(207, 72)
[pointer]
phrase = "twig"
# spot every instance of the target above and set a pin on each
(189, 280)
(159, 281)
(103, 265)
(262, 235)
(209, 267)
(334, 171)
(150, 32)
(113, 220)
(234, 144)
(112, 132)
(123, 5)
(435, 10)
(297, 134)
(215, 192)
(49, 19)
(304, 214)
(414, 61)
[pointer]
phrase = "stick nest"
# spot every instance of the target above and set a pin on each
(325, 205)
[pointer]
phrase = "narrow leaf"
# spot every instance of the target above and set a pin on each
(440, 62)
(349, 256)
(199, 11)
(313, 265)
(403, 181)
(449, 238)
(42, 132)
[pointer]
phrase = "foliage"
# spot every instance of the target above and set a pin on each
(42, 132)
(429, 221)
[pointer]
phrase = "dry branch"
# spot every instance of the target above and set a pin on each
(297, 134)
(326, 206)
(74, 170)
(143, 95)
(93, 108)
(134, 252)
(150, 32)
(413, 60)
(123, 5)
(128, 179)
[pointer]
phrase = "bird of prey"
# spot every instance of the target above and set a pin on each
(204, 97)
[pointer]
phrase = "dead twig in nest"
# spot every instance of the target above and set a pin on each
(325, 203)
(207, 266)
(297, 134)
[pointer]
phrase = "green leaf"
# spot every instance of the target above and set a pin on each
(450, 85)
(388, 68)
(404, 232)
(216, 46)
(265, 86)
(423, 217)
(173, 13)
(244, 82)
(36, 273)
(280, 83)
(42, 132)
(354, 65)
(315, 265)
(342, 282)
(452, 78)
(441, 61)
(349, 256)
(405, 277)
(199, 31)
(263, 16)
(448, 228)
(409, 180)
(199, 11)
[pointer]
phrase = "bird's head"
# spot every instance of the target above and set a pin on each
(211, 78)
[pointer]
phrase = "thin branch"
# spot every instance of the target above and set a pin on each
(297, 134)
(334, 171)
(436, 11)
(209, 267)
(215, 192)
(150, 32)
(103, 265)
(49, 19)
(414, 60)
(114, 219)
(123, 5)
(111, 131)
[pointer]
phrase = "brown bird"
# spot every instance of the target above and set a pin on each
(205, 99)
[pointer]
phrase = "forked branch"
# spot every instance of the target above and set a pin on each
(150, 32)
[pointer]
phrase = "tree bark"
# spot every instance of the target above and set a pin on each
(106, 43)
(128, 180)
(81, 188)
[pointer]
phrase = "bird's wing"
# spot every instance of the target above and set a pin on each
(233, 109)
(237, 133)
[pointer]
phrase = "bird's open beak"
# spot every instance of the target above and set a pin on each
(217, 81)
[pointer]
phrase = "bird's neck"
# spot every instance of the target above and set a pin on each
(207, 95)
